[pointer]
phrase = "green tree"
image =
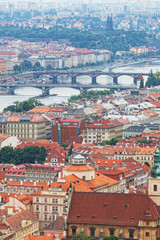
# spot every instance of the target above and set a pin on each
(37, 67)
(7, 154)
(28, 154)
(49, 67)
(17, 68)
(26, 66)
(111, 142)
(80, 236)
(23, 106)
(144, 141)
(147, 163)
(64, 145)
(70, 150)
(110, 238)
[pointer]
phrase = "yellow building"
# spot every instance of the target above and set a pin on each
(145, 154)
(127, 216)
(22, 224)
(154, 180)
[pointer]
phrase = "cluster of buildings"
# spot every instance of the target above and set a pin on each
(100, 176)
(52, 54)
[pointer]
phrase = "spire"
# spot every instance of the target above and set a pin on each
(155, 171)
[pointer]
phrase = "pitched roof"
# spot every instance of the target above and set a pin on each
(101, 180)
(78, 168)
(111, 208)
(58, 224)
(15, 221)
(76, 183)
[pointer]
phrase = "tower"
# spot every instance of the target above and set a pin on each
(109, 24)
(154, 179)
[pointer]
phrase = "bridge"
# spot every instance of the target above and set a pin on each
(53, 80)
(46, 87)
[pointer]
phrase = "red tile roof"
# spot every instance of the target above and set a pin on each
(111, 208)
(16, 220)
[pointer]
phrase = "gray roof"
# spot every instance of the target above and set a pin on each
(135, 128)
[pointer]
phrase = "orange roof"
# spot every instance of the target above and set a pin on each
(145, 150)
(106, 162)
(25, 199)
(78, 184)
(157, 104)
(30, 237)
(101, 180)
(39, 109)
(78, 168)
(150, 113)
(3, 137)
(13, 118)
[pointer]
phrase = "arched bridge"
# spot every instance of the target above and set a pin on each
(53, 80)
(73, 75)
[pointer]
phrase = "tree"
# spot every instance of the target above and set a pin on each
(7, 154)
(111, 142)
(144, 141)
(147, 163)
(17, 68)
(49, 67)
(28, 154)
(26, 66)
(110, 238)
(80, 236)
(64, 145)
(70, 150)
(37, 67)
(23, 106)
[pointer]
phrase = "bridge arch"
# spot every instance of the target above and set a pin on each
(104, 79)
(125, 80)
(84, 79)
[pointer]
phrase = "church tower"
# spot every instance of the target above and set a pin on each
(109, 24)
(154, 179)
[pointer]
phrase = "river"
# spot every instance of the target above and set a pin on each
(64, 93)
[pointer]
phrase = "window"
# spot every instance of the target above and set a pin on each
(111, 230)
(155, 188)
(45, 200)
(74, 229)
(84, 178)
(92, 229)
(37, 199)
(45, 217)
(55, 209)
(54, 200)
(37, 207)
(147, 234)
(131, 233)
(45, 208)
(147, 223)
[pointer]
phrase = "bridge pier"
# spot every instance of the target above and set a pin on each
(115, 80)
(45, 91)
(54, 79)
(135, 81)
(73, 79)
(10, 90)
(94, 79)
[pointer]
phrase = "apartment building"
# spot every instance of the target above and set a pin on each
(26, 126)
(32, 173)
(101, 130)
(49, 204)
(63, 129)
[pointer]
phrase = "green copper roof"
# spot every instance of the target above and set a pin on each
(155, 171)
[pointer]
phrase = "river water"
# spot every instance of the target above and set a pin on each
(63, 94)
